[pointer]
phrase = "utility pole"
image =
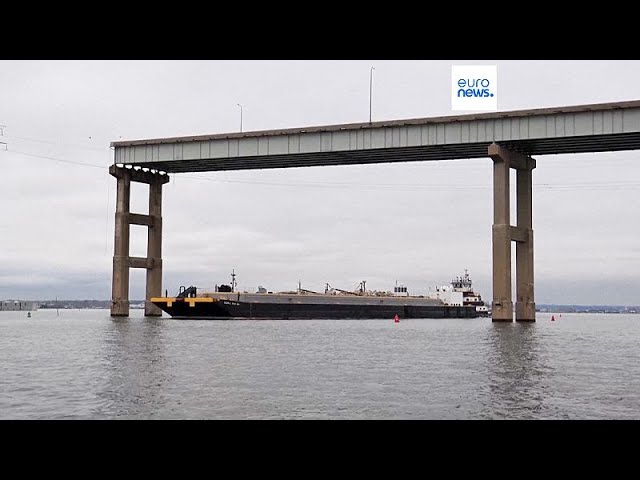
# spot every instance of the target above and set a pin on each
(370, 89)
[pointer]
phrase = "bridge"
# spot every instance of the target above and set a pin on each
(510, 139)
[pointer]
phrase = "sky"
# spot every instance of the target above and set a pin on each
(418, 223)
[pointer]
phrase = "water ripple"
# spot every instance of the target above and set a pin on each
(83, 364)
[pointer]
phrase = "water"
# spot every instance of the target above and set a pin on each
(84, 365)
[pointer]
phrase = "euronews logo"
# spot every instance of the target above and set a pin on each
(474, 87)
(471, 87)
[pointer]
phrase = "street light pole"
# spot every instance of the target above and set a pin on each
(240, 117)
(370, 90)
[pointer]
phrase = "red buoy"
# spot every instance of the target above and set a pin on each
(396, 319)
(553, 319)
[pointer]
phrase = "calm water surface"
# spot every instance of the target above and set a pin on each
(84, 365)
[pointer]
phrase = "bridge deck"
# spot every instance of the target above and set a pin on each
(575, 129)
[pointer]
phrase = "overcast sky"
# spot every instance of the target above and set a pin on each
(420, 223)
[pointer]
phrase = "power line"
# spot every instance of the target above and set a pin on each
(541, 186)
(335, 185)
(59, 159)
(77, 145)
(615, 185)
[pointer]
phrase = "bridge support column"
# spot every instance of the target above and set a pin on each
(525, 304)
(120, 279)
(154, 250)
(121, 259)
(504, 233)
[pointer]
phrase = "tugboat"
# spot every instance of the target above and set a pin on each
(461, 293)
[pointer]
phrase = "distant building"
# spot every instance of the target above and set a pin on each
(17, 305)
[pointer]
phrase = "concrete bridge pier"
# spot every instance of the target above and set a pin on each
(121, 259)
(504, 233)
